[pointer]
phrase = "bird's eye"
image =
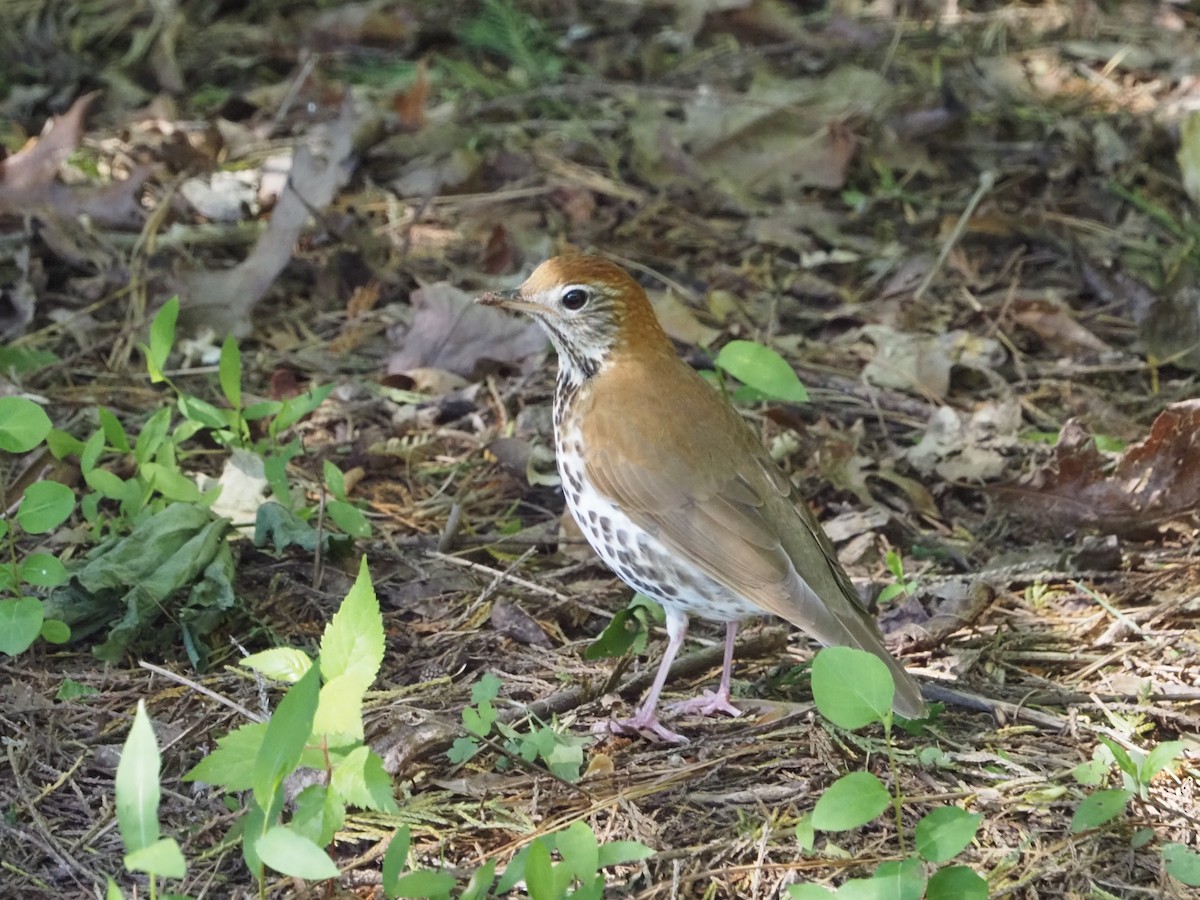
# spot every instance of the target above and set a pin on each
(575, 298)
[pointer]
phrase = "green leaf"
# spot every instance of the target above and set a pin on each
(1124, 762)
(171, 483)
(287, 731)
(852, 688)
(70, 689)
(486, 688)
(232, 765)
(43, 570)
(113, 892)
(395, 859)
(318, 812)
(348, 518)
(20, 623)
(162, 336)
(55, 631)
(479, 887)
(353, 641)
(62, 444)
(806, 834)
(153, 433)
(945, 832)
(956, 883)
(162, 858)
(362, 782)
(296, 408)
(1098, 808)
(539, 873)
(619, 853)
(231, 372)
(23, 424)
(334, 479)
(279, 663)
(205, 413)
(808, 892)
(621, 636)
(763, 369)
(137, 786)
(290, 853)
(577, 847)
(424, 883)
(114, 431)
(45, 506)
(18, 361)
(1183, 863)
(105, 483)
(849, 802)
(898, 880)
(1157, 759)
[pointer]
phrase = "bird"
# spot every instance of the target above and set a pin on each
(674, 490)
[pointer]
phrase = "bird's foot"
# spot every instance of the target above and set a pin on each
(647, 726)
(707, 704)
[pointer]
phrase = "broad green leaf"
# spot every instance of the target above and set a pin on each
(43, 570)
(1159, 758)
(162, 336)
(172, 483)
(945, 832)
(334, 479)
(317, 814)
(280, 663)
(45, 506)
(55, 631)
(898, 880)
(296, 408)
(137, 787)
(395, 859)
(287, 731)
(463, 749)
(205, 413)
(105, 483)
(18, 361)
(808, 892)
(1124, 761)
(23, 424)
(1098, 808)
(285, 851)
(424, 883)
(480, 885)
(540, 879)
(622, 634)
(162, 858)
(339, 710)
(20, 623)
(348, 518)
(62, 444)
(1183, 863)
(230, 372)
(956, 883)
(763, 369)
(577, 847)
(153, 433)
(849, 802)
(806, 834)
(71, 689)
(852, 688)
(618, 853)
(113, 892)
(486, 688)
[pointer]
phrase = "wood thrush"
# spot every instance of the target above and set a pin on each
(674, 490)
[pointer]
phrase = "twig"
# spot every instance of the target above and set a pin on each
(987, 178)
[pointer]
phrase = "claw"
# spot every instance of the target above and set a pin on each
(646, 726)
(708, 703)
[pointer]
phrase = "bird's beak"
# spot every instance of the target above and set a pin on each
(506, 300)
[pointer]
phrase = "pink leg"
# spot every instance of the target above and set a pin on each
(645, 721)
(709, 703)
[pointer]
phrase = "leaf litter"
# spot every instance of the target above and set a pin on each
(777, 178)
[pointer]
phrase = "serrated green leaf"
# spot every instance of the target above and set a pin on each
(280, 663)
(851, 801)
(362, 782)
(353, 641)
(852, 688)
(231, 765)
(137, 785)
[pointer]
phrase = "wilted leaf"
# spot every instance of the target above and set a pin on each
(968, 448)
(449, 331)
(1151, 483)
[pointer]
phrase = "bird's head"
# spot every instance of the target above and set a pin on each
(591, 309)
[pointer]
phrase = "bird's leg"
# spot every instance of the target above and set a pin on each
(712, 702)
(645, 720)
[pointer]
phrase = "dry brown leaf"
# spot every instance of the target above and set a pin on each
(450, 331)
(1055, 325)
(410, 104)
(1153, 482)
